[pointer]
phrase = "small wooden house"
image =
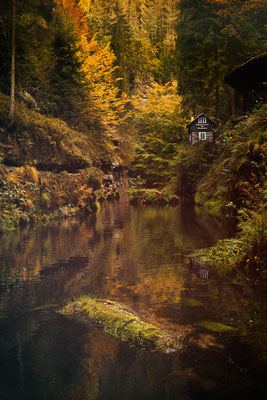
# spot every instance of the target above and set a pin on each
(201, 129)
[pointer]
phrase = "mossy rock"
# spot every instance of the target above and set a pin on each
(121, 322)
(215, 326)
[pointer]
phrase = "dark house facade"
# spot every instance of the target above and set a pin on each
(201, 129)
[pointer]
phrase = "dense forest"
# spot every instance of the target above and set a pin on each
(91, 89)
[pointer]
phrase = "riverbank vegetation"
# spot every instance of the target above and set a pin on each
(236, 184)
(103, 87)
(229, 178)
(28, 195)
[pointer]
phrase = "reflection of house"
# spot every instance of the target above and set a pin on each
(199, 267)
(201, 129)
(250, 79)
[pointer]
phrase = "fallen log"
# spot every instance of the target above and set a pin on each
(121, 322)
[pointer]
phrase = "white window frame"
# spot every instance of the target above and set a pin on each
(202, 120)
(202, 135)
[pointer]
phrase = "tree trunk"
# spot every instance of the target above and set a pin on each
(12, 86)
(217, 102)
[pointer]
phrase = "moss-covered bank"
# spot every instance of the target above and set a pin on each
(119, 321)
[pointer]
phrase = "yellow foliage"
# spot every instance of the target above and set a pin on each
(27, 172)
(98, 68)
(158, 110)
(105, 107)
(3, 173)
(46, 199)
(29, 204)
(12, 178)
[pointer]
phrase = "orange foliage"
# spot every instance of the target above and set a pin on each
(75, 14)
(229, 6)
(104, 106)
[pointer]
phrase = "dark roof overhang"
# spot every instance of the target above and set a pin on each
(250, 75)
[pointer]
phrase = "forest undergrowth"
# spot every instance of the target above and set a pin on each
(229, 178)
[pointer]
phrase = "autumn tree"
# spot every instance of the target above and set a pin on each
(157, 118)
(103, 108)
(65, 69)
(142, 36)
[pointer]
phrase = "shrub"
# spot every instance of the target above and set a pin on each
(152, 196)
(247, 250)
(93, 177)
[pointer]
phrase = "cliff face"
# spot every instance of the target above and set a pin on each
(51, 144)
(44, 142)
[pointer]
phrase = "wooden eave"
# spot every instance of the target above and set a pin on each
(250, 75)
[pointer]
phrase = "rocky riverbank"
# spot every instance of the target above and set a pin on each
(28, 195)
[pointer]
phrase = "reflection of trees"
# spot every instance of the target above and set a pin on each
(30, 250)
(130, 261)
(111, 369)
(135, 255)
(36, 262)
(217, 227)
(130, 254)
(98, 351)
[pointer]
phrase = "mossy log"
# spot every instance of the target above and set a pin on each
(120, 321)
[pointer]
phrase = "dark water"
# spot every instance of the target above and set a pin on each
(138, 256)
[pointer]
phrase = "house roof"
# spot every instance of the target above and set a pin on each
(250, 75)
(200, 115)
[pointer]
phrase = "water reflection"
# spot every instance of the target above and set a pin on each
(136, 255)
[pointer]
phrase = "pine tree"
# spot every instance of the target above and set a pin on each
(122, 46)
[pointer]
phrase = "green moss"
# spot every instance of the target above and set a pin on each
(215, 326)
(119, 321)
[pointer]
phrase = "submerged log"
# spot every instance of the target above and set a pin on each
(121, 322)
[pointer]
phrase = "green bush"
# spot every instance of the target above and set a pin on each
(152, 196)
(247, 250)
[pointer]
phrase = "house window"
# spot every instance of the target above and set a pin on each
(202, 120)
(202, 135)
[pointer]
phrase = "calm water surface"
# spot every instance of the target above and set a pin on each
(138, 256)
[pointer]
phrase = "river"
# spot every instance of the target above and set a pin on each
(137, 255)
